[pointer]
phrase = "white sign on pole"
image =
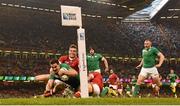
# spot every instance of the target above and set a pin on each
(82, 63)
(71, 16)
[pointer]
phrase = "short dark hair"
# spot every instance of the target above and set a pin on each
(73, 46)
(148, 40)
(91, 48)
(53, 61)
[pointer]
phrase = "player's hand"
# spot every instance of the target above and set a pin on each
(61, 72)
(137, 67)
(158, 65)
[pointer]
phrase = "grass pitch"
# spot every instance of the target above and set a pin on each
(90, 101)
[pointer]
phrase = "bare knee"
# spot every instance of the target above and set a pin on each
(140, 79)
(156, 80)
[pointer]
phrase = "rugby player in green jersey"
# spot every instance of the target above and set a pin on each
(173, 77)
(93, 61)
(149, 66)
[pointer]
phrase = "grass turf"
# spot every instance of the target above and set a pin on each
(90, 101)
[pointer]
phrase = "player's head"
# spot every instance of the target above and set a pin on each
(91, 50)
(147, 43)
(72, 51)
(55, 65)
(111, 71)
(171, 71)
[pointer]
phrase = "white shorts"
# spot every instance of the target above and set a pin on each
(153, 72)
(173, 84)
(56, 81)
(96, 89)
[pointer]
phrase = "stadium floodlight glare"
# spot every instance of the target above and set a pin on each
(170, 9)
(83, 14)
(93, 1)
(163, 17)
(177, 9)
(109, 17)
(169, 17)
(124, 6)
(120, 17)
(175, 16)
(114, 17)
(131, 9)
(4, 4)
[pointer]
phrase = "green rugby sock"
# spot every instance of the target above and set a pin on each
(136, 90)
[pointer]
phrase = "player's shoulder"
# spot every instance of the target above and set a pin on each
(88, 55)
(64, 56)
(98, 54)
(64, 65)
(154, 48)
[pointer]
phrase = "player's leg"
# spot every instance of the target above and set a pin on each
(156, 80)
(49, 86)
(120, 92)
(173, 88)
(104, 91)
(94, 89)
(157, 85)
(142, 76)
(133, 87)
(57, 83)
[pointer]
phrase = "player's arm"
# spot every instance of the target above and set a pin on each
(141, 63)
(62, 59)
(177, 77)
(168, 77)
(117, 80)
(49, 85)
(42, 77)
(70, 72)
(90, 77)
(105, 64)
(161, 59)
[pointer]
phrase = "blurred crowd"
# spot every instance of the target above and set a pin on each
(43, 31)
